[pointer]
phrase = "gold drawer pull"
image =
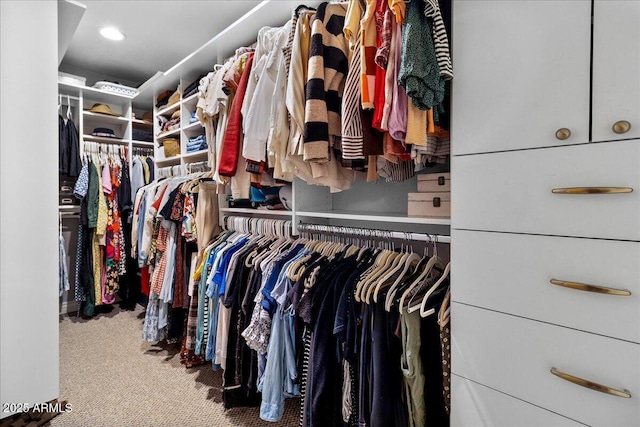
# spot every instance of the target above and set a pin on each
(592, 190)
(590, 288)
(589, 384)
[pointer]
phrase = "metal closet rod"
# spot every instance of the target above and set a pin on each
(373, 233)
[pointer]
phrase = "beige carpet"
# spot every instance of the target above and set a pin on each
(112, 378)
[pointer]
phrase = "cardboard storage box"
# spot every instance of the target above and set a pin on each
(434, 182)
(433, 204)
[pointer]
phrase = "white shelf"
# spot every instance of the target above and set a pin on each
(169, 160)
(169, 109)
(192, 126)
(191, 99)
(93, 93)
(104, 139)
(390, 217)
(142, 143)
(195, 155)
(167, 134)
(105, 118)
(256, 211)
(141, 122)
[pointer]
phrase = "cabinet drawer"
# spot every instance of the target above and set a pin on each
(514, 277)
(515, 356)
(474, 405)
(513, 191)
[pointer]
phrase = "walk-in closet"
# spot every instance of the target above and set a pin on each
(419, 213)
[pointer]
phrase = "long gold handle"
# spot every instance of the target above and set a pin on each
(590, 384)
(621, 127)
(590, 288)
(563, 133)
(592, 190)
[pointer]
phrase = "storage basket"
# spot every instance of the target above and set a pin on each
(171, 147)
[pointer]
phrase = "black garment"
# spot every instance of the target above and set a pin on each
(68, 148)
(124, 195)
(430, 353)
(239, 367)
(387, 387)
(325, 377)
(151, 172)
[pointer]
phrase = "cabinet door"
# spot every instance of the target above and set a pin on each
(616, 68)
(521, 73)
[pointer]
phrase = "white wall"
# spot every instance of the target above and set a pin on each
(28, 202)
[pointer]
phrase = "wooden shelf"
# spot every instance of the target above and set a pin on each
(256, 211)
(384, 217)
(104, 118)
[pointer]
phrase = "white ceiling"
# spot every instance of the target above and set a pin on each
(158, 35)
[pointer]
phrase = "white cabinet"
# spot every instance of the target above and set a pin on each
(546, 230)
(516, 356)
(513, 191)
(516, 278)
(477, 405)
(521, 73)
(616, 68)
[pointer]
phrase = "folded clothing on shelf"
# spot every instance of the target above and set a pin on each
(193, 117)
(142, 135)
(193, 87)
(105, 132)
(163, 98)
(197, 143)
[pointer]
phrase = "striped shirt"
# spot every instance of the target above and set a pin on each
(440, 39)
(328, 66)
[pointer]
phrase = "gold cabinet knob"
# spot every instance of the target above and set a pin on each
(563, 133)
(621, 126)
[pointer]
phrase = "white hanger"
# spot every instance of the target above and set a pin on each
(422, 306)
(69, 116)
(432, 262)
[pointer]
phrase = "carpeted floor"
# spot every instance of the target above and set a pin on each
(112, 378)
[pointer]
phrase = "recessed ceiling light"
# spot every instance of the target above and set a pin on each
(112, 33)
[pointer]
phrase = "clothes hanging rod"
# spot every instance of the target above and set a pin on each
(64, 97)
(373, 233)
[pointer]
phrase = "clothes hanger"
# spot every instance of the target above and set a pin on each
(385, 265)
(366, 280)
(397, 263)
(423, 306)
(410, 260)
(69, 116)
(433, 261)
